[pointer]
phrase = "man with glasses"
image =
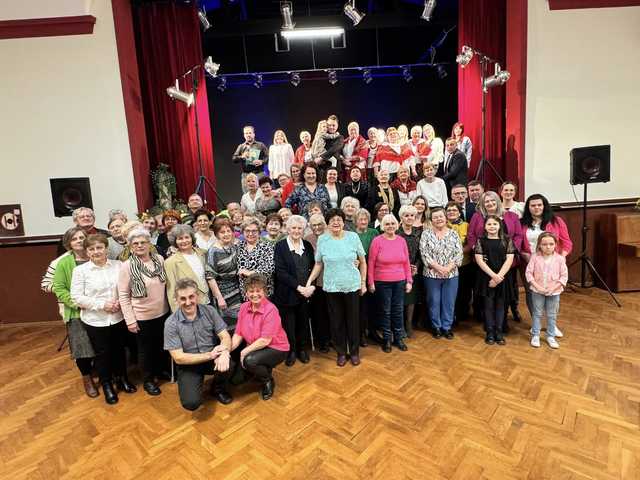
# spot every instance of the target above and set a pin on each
(459, 195)
(454, 167)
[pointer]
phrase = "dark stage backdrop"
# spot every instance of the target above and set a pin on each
(384, 102)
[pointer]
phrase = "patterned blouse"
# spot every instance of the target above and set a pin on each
(301, 197)
(441, 251)
(222, 266)
(259, 260)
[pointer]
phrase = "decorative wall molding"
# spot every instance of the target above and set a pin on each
(47, 27)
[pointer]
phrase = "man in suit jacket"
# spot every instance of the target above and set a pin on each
(454, 165)
(459, 195)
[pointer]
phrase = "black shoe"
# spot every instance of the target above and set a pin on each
(489, 339)
(375, 337)
(151, 388)
(222, 396)
(303, 356)
(386, 346)
(324, 348)
(110, 395)
(437, 333)
(341, 360)
(291, 358)
(123, 384)
(448, 334)
(363, 341)
(516, 315)
(400, 345)
(267, 389)
(500, 340)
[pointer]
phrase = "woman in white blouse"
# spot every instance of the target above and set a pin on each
(335, 188)
(436, 155)
(508, 192)
(202, 225)
(432, 188)
(94, 288)
(280, 155)
(248, 199)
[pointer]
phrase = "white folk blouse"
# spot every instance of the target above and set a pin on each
(92, 287)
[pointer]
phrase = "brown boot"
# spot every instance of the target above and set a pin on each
(90, 387)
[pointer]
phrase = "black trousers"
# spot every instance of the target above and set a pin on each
(108, 345)
(295, 321)
(368, 320)
(344, 318)
(261, 362)
(466, 281)
(85, 365)
(191, 380)
(493, 314)
(319, 318)
(150, 340)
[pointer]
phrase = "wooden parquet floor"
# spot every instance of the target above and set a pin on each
(443, 410)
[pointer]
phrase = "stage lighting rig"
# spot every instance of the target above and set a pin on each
(332, 76)
(211, 67)
(222, 84)
(295, 79)
(176, 94)
(257, 80)
(352, 12)
(429, 6)
(204, 21)
(465, 56)
(366, 76)
(406, 74)
(500, 77)
(286, 9)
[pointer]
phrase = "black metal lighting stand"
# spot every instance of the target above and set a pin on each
(202, 180)
(584, 259)
(484, 163)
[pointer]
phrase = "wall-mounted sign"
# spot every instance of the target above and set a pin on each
(11, 224)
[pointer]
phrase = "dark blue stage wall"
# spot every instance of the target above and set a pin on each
(386, 101)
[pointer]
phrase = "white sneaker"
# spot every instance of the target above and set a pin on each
(559, 334)
(535, 341)
(551, 341)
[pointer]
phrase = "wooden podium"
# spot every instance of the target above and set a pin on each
(618, 252)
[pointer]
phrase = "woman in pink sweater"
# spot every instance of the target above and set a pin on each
(389, 276)
(143, 300)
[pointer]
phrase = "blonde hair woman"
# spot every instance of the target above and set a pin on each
(317, 146)
(280, 155)
(436, 155)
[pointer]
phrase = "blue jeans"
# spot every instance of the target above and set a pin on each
(390, 297)
(544, 304)
(441, 300)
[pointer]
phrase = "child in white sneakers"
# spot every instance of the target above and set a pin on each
(547, 275)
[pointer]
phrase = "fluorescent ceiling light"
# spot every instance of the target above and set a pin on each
(312, 32)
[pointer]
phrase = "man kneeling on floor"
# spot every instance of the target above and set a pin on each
(198, 341)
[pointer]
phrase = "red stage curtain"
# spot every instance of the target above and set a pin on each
(482, 26)
(169, 44)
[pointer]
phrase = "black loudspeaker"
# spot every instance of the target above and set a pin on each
(590, 164)
(69, 194)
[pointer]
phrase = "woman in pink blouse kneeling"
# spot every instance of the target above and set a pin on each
(260, 328)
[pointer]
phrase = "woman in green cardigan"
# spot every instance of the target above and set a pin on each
(79, 343)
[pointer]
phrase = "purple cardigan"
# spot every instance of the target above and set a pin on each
(511, 222)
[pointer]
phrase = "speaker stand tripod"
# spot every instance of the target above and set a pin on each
(584, 259)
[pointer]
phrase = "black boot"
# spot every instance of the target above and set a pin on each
(151, 387)
(267, 389)
(123, 384)
(110, 395)
(291, 358)
(515, 313)
(386, 346)
(400, 345)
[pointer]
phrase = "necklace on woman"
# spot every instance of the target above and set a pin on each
(354, 189)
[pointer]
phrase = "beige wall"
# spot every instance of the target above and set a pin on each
(583, 88)
(62, 115)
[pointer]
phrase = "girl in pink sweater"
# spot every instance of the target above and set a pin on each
(547, 275)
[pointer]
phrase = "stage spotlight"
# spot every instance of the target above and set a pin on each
(211, 67)
(406, 74)
(176, 94)
(465, 57)
(286, 8)
(500, 77)
(295, 79)
(366, 76)
(204, 21)
(429, 6)
(257, 80)
(352, 12)
(442, 72)
(332, 76)
(222, 85)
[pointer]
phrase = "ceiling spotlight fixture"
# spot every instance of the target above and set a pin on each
(406, 74)
(429, 6)
(204, 21)
(257, 80)
(222, 85)
(176, 94)
(352, 12)
(295, 79)
(366, 76)
(286, 8)
(211, 67)
(312, 33)
(465, 56)
(442, 72)
(500, 77)
(332, 76)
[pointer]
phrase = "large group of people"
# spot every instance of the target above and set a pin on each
(340, 243)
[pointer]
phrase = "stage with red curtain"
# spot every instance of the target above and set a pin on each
(169, 44)
(482, 26)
